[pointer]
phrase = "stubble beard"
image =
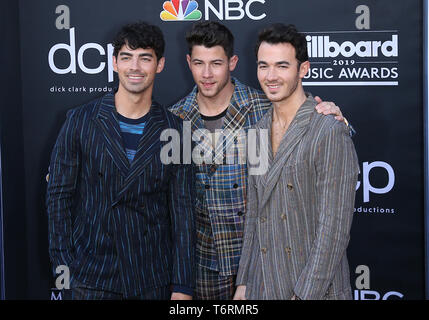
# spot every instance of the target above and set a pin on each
(221, 86)
(135, 89)
(288, 93)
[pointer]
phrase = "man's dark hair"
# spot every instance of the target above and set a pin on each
(210, 34)
(281, 33)
(140, 35)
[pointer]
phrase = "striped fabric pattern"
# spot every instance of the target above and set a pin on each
(300, 212)
(119, 226)
(132, 130)
(221, 188)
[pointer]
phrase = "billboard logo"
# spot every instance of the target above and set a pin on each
(323, 47)
(178, 10)
(353, 58)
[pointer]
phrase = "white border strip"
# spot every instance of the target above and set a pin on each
(351, 83)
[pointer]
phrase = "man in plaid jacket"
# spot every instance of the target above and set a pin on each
(220, 102)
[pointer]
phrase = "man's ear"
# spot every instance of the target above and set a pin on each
(233, 62)
(303, 68)
(188, 59)
(114, 64)
(161, 64)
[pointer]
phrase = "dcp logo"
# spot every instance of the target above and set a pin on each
(79, 62)
(366, 183)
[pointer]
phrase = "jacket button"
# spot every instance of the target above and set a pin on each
(289, 186)
(264, 250)
(283, 216)
(207, 186)
(100, 174)
(212, 169)
(235, 186)
(288, 250)
(263, 219)
(240, 213)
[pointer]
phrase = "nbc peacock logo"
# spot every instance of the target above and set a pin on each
(178, 10)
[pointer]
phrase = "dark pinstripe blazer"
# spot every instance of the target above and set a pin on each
(300, 212)
(119, 227)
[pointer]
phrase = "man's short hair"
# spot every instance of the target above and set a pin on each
(140, 35)
(281, 33)
(210, 34)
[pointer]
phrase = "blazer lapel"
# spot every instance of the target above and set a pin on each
(191, 113)
(234, 121)
(149, 145)
(290, 140)
(108, 123)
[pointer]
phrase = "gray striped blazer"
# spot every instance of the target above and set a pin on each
(300, 212)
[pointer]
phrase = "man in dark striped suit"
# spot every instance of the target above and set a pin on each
(121, 219)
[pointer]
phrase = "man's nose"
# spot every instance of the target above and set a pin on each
(271, 74)
(134, 64)
(207, 72)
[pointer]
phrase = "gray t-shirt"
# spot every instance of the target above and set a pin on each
(213, 123)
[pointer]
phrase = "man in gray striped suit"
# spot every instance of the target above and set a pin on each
(300, 211)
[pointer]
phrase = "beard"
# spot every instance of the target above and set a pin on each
(292, 85)
(219, 86)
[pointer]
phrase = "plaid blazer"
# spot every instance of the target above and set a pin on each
(222, 177)
(119, 227)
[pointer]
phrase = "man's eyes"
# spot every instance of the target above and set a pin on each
(213, 63)
(145, 59)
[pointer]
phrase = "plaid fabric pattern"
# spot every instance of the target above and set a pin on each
(222, 180)
(212, 286)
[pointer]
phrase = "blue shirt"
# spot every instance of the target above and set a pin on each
(131, 130)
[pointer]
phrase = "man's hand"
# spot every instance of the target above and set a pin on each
(328, 107)
(240, 293)
(180, 296)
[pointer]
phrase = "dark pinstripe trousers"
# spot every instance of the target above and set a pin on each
(80, 291)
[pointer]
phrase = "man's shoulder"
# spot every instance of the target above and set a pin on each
(251, 93)
(90, 108)
(177, 105)
(173, 120)
(183, 104)
(254, 101)
(324, 124)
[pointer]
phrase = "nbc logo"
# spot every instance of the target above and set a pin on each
(180, 10)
